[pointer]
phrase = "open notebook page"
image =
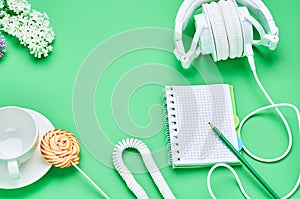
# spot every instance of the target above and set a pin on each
(190, 108)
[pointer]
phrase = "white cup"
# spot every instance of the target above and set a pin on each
(18, 138)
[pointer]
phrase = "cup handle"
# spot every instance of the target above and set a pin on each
(13, 169)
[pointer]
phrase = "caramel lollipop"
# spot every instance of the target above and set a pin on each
(61, 149)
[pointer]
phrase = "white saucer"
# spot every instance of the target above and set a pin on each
(34, 168)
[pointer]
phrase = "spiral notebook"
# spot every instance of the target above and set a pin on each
(189, 109)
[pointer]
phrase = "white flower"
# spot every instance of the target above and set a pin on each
(19, 6)
(1, 4)
(31, 28)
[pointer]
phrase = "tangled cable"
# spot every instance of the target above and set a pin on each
(149, 163)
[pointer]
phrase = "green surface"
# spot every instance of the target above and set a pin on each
(47, 86)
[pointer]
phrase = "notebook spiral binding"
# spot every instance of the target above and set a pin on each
(171, 126)
(166, 128)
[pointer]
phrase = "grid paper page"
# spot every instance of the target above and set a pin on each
(195, 143)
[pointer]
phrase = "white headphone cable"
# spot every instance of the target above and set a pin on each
(232, 171)
(208, 179)
(273, 105)
(293, 190)
(253, 68)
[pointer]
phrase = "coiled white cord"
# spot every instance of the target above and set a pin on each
(149, 163)
(273, 105)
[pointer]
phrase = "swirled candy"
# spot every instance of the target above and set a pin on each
(60, 148)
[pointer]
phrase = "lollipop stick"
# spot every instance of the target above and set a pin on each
(90, 180)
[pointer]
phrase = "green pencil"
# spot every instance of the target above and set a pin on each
(244, 161)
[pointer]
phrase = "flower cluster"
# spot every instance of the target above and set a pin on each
(18, 6)
(2, 46)
(1, 4)
(30, 26)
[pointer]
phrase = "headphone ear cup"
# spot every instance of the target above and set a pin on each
(247, 30)
(206, 41)
(233, 28)
(216, 21)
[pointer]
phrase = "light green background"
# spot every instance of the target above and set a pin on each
(47, 86)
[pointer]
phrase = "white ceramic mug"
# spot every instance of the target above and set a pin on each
(18, 138)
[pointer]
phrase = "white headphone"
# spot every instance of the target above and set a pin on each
(224, 29)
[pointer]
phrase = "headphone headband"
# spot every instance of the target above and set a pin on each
(262, 13)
